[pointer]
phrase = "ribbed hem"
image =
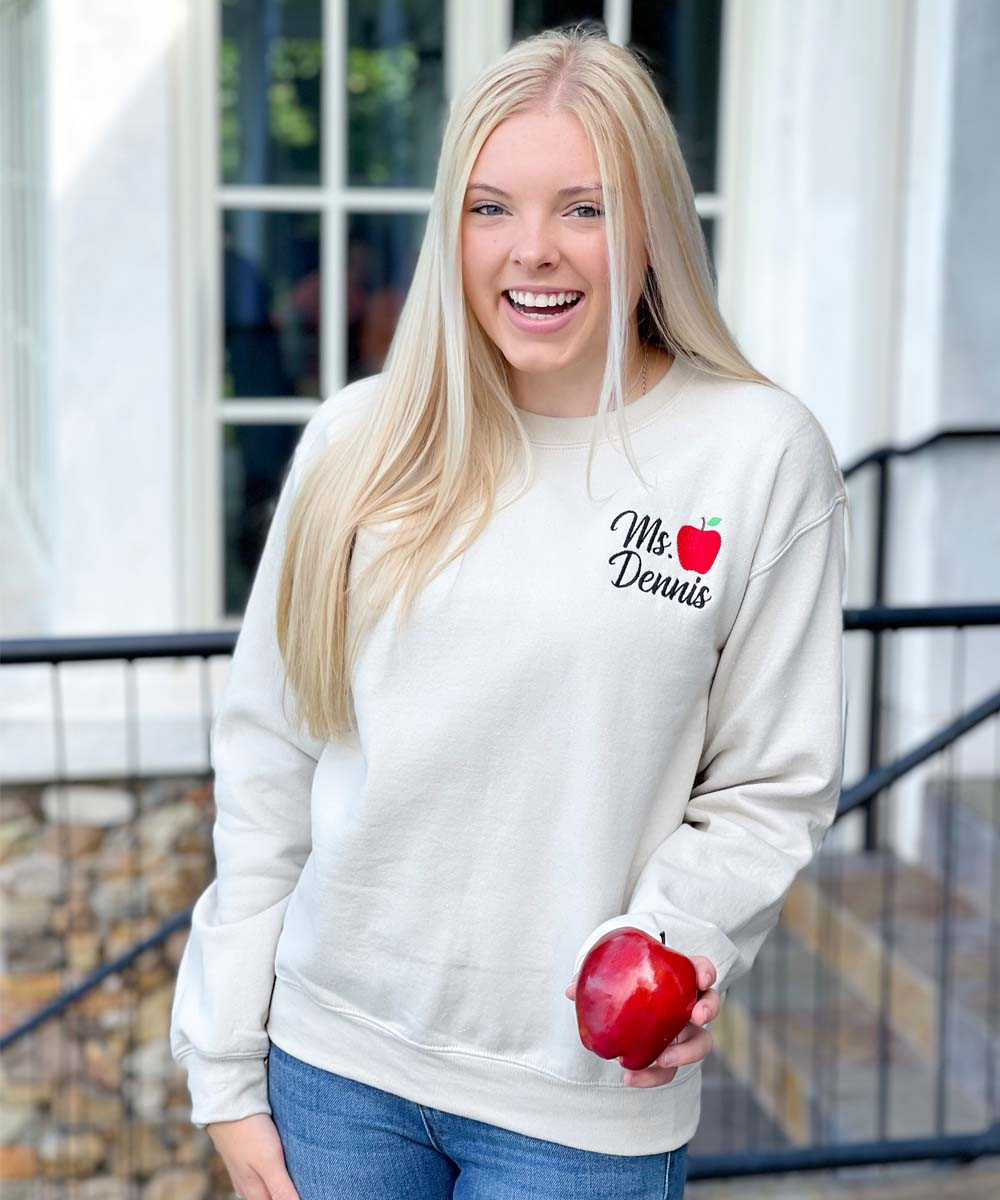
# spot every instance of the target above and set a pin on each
(578, 431)
(225, 1089)
(482, 1087)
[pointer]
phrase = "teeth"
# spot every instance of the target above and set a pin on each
(530, 300)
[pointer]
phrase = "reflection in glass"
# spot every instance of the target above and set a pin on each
(272, 303)
(270, 85)
(708, 229)
(532, 16)
(382, 251)
(681, 40)
(255, 459)
(396, 108)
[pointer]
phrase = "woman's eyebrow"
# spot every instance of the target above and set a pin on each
(566, 191)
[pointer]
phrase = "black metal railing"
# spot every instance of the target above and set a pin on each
(880, 460)
(869, 1029)
(744, 1080)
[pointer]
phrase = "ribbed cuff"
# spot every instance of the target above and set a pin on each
(225, 1089)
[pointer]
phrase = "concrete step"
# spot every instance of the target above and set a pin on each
(835, 907)
(972, 822)
(808, 1042)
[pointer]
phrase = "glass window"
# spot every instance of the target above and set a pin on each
(708, 229)
(387, 115)
(271, 269)
(395, 92)
(382, 254)
(270, 74)
(254, 461)
(388, 109)
(532, 16)
(682, 42)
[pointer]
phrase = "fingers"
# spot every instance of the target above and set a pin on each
(691, 1049)
(707, 1007)
(692, 1045)
(257, 1168)
(273, 1184)
(705, 969)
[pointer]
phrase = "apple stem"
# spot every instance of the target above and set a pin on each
(703, 524)
(663, 937)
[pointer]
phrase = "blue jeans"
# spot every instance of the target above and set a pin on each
(344, 1140)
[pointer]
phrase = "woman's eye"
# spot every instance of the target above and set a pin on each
(481, 208)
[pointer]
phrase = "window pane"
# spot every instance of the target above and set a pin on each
(682, 41)
(396, 108)
(532, 16)
(254, 461)
(708, 229)
(382, 251)
(270, 69)
(272, 303)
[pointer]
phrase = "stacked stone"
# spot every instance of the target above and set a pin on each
(91, 1103)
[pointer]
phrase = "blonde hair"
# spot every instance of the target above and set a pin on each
(431, 453)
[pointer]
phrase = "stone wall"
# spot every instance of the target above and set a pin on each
(91, 1103)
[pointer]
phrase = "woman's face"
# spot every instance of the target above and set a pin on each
(536, 239)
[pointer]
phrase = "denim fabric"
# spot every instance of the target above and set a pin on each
(344, 1140)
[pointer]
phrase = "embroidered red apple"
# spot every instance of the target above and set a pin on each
(697, 548)
(634, 995)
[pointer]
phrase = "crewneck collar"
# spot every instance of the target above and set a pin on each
(577, 431)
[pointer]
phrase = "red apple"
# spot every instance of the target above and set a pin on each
(697, 548)
(633, 996)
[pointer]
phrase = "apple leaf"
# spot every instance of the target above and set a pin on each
(715, 520)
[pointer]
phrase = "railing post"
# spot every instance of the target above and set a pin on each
(875, 677)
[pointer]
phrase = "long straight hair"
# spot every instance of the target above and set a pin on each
(443, 433)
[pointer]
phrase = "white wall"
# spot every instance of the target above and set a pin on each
(112, 313)
(812, 181)
(110, 332)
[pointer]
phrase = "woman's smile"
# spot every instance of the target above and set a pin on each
(539, 319)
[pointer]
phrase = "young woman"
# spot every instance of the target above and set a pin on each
(545, 641)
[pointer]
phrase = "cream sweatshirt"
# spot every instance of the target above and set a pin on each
(623, 708)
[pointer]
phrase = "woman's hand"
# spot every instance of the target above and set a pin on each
(692, 1043)
(254, 1158)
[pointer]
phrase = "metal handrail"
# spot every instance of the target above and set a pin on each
(58, 1004)
(881, 460)
(882, 778)
(885, 453)
(129, 647)
(925, 616)
(961, 1147)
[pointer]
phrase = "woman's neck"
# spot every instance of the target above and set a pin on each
(570, 398)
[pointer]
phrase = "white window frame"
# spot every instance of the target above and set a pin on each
(475, 35)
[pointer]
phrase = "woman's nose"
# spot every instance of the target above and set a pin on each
(534, 252)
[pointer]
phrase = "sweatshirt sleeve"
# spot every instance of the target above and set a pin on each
(263, 778)
(769, 777)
